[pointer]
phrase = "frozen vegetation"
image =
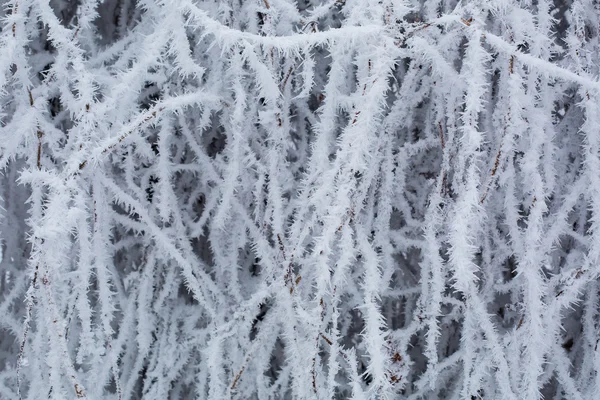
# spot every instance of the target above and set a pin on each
(310, 199)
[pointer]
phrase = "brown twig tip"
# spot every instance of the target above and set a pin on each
(39, 149)
(329, 342)
(483, 197)
(237, 377)
(467, 22)
(496, 162)
(281, 246)
(14, 25)
(314, 375)
(79, 391)
(494, 170)
(511, 64)
(286, 78)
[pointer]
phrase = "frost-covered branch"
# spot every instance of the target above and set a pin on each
(299, 199)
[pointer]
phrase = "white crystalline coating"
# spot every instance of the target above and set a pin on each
(299, 199)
